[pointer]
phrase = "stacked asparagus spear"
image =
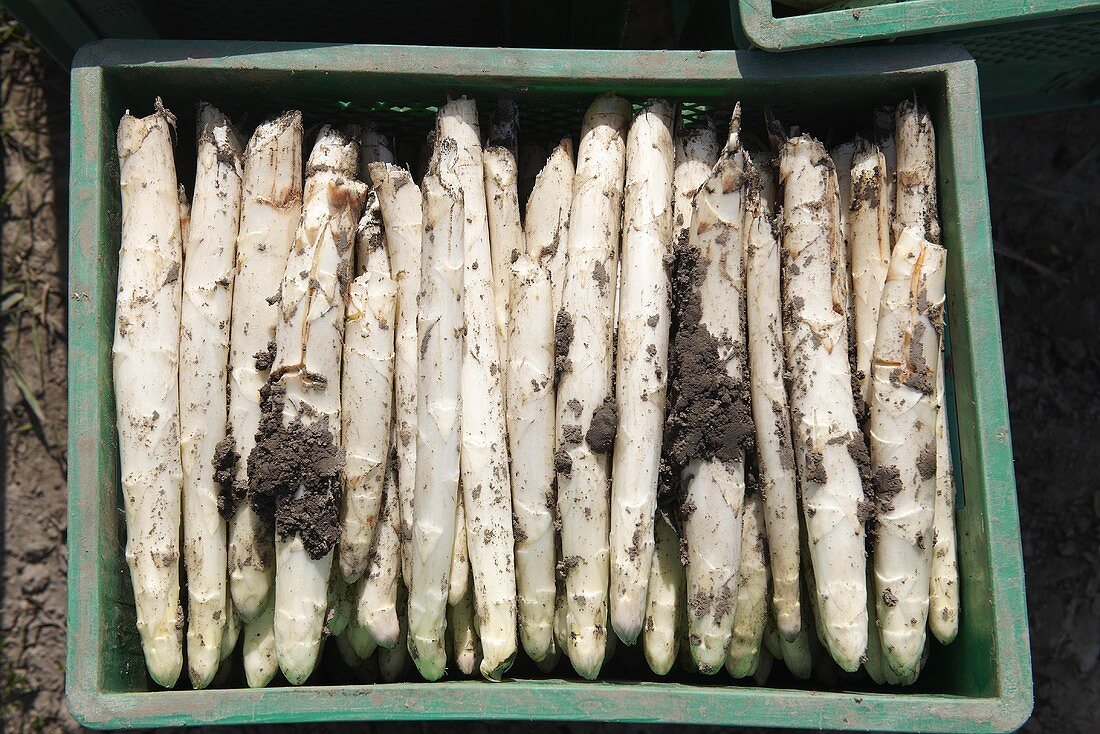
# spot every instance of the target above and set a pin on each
(692, 396)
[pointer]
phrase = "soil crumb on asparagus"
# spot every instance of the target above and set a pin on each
(563, 338)
(604, 426)
(225, 461)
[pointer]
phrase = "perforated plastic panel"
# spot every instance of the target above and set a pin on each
(461, 22)
(1031, 54)
(517, 23)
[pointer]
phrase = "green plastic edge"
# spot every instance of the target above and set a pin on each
(987, 455)
(911, 17)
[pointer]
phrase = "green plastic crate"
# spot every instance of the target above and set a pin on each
(980, 683)
(62, 26)
(1032, 54)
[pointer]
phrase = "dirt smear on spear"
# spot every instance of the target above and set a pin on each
(294, 473)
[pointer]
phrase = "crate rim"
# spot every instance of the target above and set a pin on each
(762, 29)
(598, 701)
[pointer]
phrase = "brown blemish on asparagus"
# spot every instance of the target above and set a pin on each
(599, 274)
(926, 461)
(572, 434)
(563, 462)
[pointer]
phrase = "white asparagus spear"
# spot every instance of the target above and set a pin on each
(550, 661)
(306, 380)
(270, 210)
(260, 660)
(530, 158)
(696, 153)
(393, 662)
(460, 556)
(763, 667)
(401, 203)
(770, 641)
(374, 147)
(872, 662)
(585, 405)
(506, 241)
(770, 409)
(146, 355)
(711, 421)
(546, 225)
(463, 631)
(486, 484)
(530, 407)
(813, 597)
(751, 612)
(348, 653)
(231, 632)
(870, 240)
(664, 600)
(438, 399)
(549, 664)
(561, 624)
(889, 147)
(641, 362)
(376, 603)
(366, 391)
(359, 637)
(340, 605)
(611, 646)
(185, 215)
(943, 595)
(915, 205)
(842, 160)
(799, 653)
(204, 353)
(902, 425)
(829, 447)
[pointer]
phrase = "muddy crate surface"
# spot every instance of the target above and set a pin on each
(979, 683)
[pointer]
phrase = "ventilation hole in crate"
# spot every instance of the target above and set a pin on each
(1051, 44)
(1069, 79)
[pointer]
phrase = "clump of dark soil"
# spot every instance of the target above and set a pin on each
(563, 339)
(886, 482)
(604, 426)
(294, 472)
(225, 461)
(265, 359)
(563, 462)
(857, 449)
(709, 415)
(815, 467)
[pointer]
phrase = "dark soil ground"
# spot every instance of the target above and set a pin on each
(1044, 181)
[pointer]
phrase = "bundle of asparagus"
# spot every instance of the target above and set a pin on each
(439, 427)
